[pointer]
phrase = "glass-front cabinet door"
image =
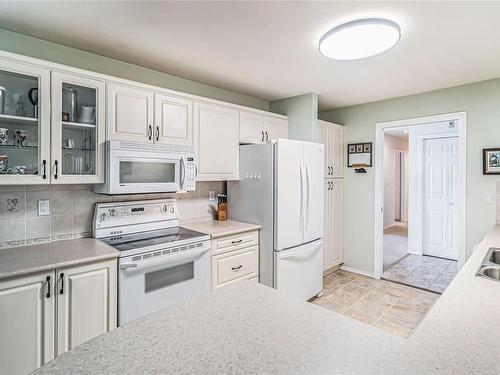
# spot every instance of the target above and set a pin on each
(24, 124)
(77, 129)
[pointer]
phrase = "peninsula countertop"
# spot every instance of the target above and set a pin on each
(248, 328)
(24, 260)
(220, 228)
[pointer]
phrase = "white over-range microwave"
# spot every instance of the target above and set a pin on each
(135, 168)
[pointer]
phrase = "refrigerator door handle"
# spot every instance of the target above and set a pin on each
(301, 196)
(300, 253)
(308, 198)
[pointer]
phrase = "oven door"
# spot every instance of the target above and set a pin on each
(143, 172)
(146, 286)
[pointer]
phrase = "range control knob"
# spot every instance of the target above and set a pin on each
(102, 217)
(164, 208)
(112, 212)
(172, 209)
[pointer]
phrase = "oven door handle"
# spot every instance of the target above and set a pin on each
(164, 260)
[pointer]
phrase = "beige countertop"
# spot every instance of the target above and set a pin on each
(220, 228)
(18, 261)
(248, 328)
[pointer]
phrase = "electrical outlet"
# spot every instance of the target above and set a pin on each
(489, 198)
(43, 207)
(211, 195)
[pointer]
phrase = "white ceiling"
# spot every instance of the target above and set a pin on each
(269, 49)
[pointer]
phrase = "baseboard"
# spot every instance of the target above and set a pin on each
(414, 252)
(331, 270)
(355, 270)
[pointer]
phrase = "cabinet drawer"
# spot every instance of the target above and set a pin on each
(235, 242)
(238, 265)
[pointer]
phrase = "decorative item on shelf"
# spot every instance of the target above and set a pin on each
(69, 143)
(4, 136)
(18, 98)
(491, 161)
(222, 207)
(3, 95)
(359, 168)
(33, 98)
(359, 156)
(87, 115)
(18, 169)
(4, 162)
(20, 137)
(69, 104)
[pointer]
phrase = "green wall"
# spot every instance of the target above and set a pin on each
(33, 47)
(481, 101)
(302, 112)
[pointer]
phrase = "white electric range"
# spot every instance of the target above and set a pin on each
(160, 263)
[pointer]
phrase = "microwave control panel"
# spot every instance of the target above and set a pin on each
(190, 178)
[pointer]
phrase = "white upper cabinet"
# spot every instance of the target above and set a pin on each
(251, 127)
(332, 136)
(26, 323)
(258, 128)
(24, 124)
(78, 129)
(275, 127)
(216, 142)
(129, 113)
(173, 120)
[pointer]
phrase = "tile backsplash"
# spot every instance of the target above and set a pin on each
(72, 208)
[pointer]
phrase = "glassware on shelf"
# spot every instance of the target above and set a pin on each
(3, 94)
(18, 98)
(69, 104)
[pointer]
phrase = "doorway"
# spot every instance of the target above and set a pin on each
(420, 234)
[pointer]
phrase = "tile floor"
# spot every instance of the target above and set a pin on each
(392, 307)
(395, 243)
(423, 271)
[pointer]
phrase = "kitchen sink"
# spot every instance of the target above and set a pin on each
(494, 255)
(490, 272)
(490, 266)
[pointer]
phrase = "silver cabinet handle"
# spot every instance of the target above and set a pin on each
(236, 269)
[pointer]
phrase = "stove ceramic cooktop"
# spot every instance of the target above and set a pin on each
(167, 236)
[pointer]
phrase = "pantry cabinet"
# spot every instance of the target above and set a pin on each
(332, 136)
(78, 129)
(26, 323)
(258, 128)
(24, 124)
(129, 113)
(217, 142)
(46, 314)
(333, 254)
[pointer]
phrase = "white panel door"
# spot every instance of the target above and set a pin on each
(217, 142)
(129, 113)
(251, 127)
(275, 128)
(327, 238)
(86, 303)
(336, 199)
(314, 197)
(290, 193)
(173, 120)
(26, 323)
(324, 138)
(438, 197)
(337, 150)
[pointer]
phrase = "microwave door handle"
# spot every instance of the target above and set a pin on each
(183, 172)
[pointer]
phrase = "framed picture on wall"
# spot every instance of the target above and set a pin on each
(491, 160)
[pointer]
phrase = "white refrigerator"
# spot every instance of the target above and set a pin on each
(281, 188)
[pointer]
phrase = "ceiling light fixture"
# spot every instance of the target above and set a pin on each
(360, 39)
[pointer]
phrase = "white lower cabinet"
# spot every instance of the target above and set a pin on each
(49, 313)
(86, 303)
(26, 323)
(333, 253)
(235, 258)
